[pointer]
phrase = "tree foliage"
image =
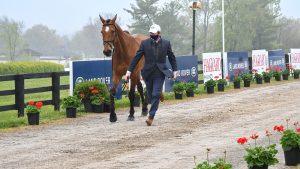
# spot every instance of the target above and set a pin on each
(43, 40)
(10, 35)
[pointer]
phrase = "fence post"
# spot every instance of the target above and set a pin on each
(56, 91)
(19, 95)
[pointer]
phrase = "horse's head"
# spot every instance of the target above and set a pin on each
(108, 35)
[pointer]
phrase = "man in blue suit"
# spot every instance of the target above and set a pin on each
(154, 49)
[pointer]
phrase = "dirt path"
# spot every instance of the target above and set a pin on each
(180, 132)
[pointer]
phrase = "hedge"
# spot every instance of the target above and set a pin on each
(11, 68)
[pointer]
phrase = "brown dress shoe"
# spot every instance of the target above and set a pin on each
(149, 121)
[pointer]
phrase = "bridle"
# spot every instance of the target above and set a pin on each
(111, 43)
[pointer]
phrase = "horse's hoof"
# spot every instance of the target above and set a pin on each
(145, 113)
(130, 118)
(113, 118)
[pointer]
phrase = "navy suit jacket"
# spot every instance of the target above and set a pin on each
(155, 57)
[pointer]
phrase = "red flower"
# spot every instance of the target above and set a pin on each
(38, 104)
(94, 91)
(242, 140)
(235, 75)
(92, 88)
(254, 136)
(267, 69)
(81, 95)
(216, 77)
(254, 70)
(30, 103)
(268, 133)
(298, 130)
(227, 77)
(279, 128)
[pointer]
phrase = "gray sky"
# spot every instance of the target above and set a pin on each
(69, 16)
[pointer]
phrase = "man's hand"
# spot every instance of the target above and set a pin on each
(127, 76)
(175, 75)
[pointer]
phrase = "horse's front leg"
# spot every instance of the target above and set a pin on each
(113, 116)
(143, 98)
(131, 97)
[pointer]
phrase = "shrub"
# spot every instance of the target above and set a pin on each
(11, 68)
(178, 88)
(85, 90)
(70, 102)
(189, 87)
(210, 83)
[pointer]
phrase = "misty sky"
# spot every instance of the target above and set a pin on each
(69, 16)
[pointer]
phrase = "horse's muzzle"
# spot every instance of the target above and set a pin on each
(107, 52)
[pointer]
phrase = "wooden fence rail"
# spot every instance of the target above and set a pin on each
(20, 90)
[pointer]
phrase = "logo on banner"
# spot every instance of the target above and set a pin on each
(194, 71)
(79, 80)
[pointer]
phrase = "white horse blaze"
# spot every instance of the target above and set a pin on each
(106, 28)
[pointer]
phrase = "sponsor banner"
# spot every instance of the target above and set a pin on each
(295, 58)
(212, 66)
(187, 71)
(237, 62)
(101, 70)
(260, 60)
(277, 59)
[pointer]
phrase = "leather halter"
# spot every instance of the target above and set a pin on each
(111, 43)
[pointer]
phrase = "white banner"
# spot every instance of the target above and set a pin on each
(295, 58)
(212, 66)
(260, 61)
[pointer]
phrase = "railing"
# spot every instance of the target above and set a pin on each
(20, 90)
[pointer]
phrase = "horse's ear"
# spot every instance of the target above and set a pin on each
(114, 19)
(102, 20)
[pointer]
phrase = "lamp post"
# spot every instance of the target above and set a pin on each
(194, 6)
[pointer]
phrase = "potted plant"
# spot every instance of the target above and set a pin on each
(97, 103)
(71, 103)
(210, 85)
(277, 72)
(259, 157)
(33, 112)
(247, 77)
(178, 89)
(84, 91)
(237, 81)
(221, 84)
(267, 76)
(258, 78)
(189, 89)
(285, 74)
(137, 98)
(290, 141)
(296, 73)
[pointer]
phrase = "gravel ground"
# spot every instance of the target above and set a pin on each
(181, 130)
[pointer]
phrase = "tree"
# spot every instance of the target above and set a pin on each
(10, 34)
(88, 42)
(289, 33)
(172, 22)
(143, 15)
(174, 27)
(44, 40)
(249, 25)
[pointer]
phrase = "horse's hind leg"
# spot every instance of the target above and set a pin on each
(113, 116)
(143, 98)
(131, 97)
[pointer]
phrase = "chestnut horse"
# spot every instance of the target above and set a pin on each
(123, 47)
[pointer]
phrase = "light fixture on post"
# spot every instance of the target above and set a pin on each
(194, 5)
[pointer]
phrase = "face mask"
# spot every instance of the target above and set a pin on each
(154, 37)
